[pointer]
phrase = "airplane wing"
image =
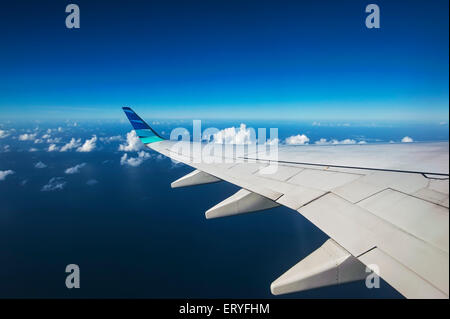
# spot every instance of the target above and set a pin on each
(385, 207)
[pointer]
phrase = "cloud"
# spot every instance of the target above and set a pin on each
(92, 182)
(40, 165)
(75, 169)
(33, 149)
(297, 139)
(46, 136)
(3, 134)
(111, 139)
(3, 174)
(330, 124)
(274, 141)
(407, 139)
(55, 183)
(72, 144)
(52, 148)
(54, 140)
(232, 135)
(134, 161)
(27, 137)
(133, 143)
(322, 141)
(347, 141)
(6, 148)
(88, 145)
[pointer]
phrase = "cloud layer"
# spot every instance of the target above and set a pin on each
(3, 134)
(133, 143)
(407, 139)
(55, 183)
(299, 139)
(347, 141)
(75, 169)
(88, 145)
(52, 148)
(3, 174)
(40, 165)
(232, 135)
(72, 144)
(27, 137)
(134, 161)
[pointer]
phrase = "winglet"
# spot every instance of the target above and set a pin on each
(145, 133)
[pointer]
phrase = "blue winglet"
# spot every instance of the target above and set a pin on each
(145, 133)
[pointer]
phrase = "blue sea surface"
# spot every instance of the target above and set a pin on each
(134, 236)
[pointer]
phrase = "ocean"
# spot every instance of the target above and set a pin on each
(132, 236)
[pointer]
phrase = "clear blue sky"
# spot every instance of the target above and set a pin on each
(226, 59)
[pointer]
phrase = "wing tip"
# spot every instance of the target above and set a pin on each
(146, 134)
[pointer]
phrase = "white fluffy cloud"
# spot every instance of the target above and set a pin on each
(133, 143)
(407, 139)
(3, 134)
(232, 135)
(72, 144)
(55, 183)
(75, 169)
(88, 145)
(134, 161)
(52, 148)
(3, 174)
(27, 137)
(40, 165)
(297, 139)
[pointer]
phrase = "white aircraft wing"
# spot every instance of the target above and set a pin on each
(385, 207)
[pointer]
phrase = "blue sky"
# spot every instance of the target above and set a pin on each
(312, 60)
